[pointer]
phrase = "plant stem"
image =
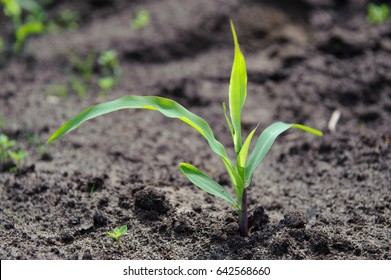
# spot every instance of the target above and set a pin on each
(243, 216)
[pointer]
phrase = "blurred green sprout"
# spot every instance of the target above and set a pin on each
(86, 72)
(10, 154)
(64, 20)
(117, 233)
(110, 70)
(240, 170)
(141, 20)
(27, 19)
(378, 13)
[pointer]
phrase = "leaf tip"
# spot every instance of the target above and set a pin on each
(233, 32)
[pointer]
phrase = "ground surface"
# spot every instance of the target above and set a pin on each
(312, 198)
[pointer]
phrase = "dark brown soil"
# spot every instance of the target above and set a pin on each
(312, 198)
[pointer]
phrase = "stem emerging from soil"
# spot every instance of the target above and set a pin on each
(243, 216)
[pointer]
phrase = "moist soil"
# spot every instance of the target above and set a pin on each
(311, 198)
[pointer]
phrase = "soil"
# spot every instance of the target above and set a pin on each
(311, 198)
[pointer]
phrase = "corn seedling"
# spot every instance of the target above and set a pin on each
(110, 70)
(88, 72)
(378, 13)
(242, 169)
(83, 67)
(116, 233)
(64, 20)
(27, 19)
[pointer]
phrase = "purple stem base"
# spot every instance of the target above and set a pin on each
(243, 216)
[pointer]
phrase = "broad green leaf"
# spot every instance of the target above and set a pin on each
(165, 106)
(237, 91)
(205, 183)
(265, 141)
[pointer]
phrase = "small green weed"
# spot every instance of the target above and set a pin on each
(27, 19)
(83, 74)
(35, 142)
(83, 67)
(141, 20)
(110, 71)
(240, 170)
(378, 13)
(10, 154)
(118, 232)
(64, 20)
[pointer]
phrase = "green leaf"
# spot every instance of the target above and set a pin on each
(123, 229)
(242, 157)
(308, 129)
(205, 183)
(11, 8)
(106, 82)
(266, 140)
(25, 30)
(113, 235)
(231, 130)
(141, 20)
(165, 106)
(237, 91)
(236, 179)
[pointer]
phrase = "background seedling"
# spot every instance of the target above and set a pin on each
(79, 86)
(378, 13)
(83, 67)
(242, 169)
(141, 20)
(85, 73)
(64, 20)
(110, 70)
(27, 18)
(116, 233)
(10, 153)
(57, 89)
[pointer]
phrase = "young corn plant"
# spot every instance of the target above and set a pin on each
(242, 169)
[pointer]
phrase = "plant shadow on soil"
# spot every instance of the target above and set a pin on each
(312, 198)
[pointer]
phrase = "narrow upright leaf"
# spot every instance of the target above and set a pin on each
(242, 157)
(205, 183)
(237, 91)
(231, 130)
(265, 141)
(237, 180)
(165, 106)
